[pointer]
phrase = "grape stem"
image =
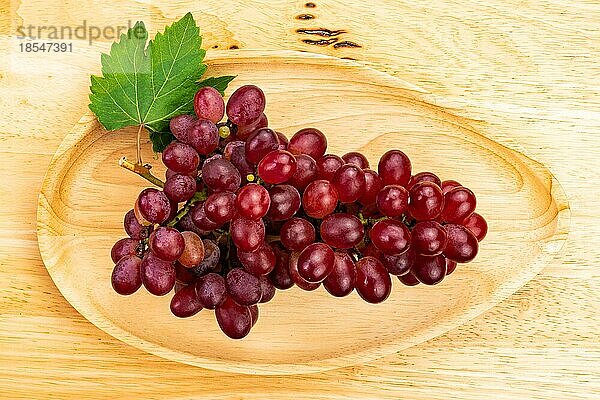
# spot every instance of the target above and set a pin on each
(272, 238)
(363, 220)
(221, 236)
(198, 196)
(141, 170)
(369, 221)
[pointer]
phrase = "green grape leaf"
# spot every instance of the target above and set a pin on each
(160, 140)
(116, 97)
(218, 82)
(148, 85)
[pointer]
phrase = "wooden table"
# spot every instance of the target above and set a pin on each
(527, 72)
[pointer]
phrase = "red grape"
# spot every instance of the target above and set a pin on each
(174, 209)
(342, 279)
(243, 131)
(186, 223)
(253, 313)
(283, 141)
(328, 165)
(178, 286)
(126, 278)
(373, 185)
(193, 250)
(184, 274)
(211, 290)
(390, 236)
(215, 156)
(170, 174)
(208, 104)
(180, 157)
(306, 171)
(459, 204)
(450, 266)
(259, 262)
(277, 167)
(400, 264)
(246, 105)
(243, 287)
(201, 220)
(408, 279)
(247, 234)
(315, 262)
(158, 276)
(356, 158)
(180, 188)
(424, 176)
(260, 143)
(236, 153)
(477, 225)
(203, 136)
(181, 125)
(253, 201)
(299, 280)
(309, 141)
(392, 200)
(319, 199)
(297, 233)
(212, 254)
(349, 182)
(234, 320)
(426, 201)
(134, 229)
(280, 276)
(221, 175)
(429, 270)
(342, 231)
(166, 243)
(373, 282)
(267, 289)
(428, 238)
(152, 207)
(185, 302)
(462, 245)
(394, 168)
(219, 207)
(371, 250)
(285, 202)
(449, 185)
(124, 247)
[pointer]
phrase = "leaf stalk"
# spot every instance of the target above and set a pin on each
(139, 145)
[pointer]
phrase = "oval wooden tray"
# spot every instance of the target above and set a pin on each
(85, 195)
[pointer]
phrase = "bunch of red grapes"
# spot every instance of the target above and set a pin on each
(244, 212)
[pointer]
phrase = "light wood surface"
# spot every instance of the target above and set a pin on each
(525, 72)
(85, 195)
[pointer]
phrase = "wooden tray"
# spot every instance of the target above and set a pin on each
(85, 195)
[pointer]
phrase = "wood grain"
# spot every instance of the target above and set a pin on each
(85, 195)
(528, 69)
